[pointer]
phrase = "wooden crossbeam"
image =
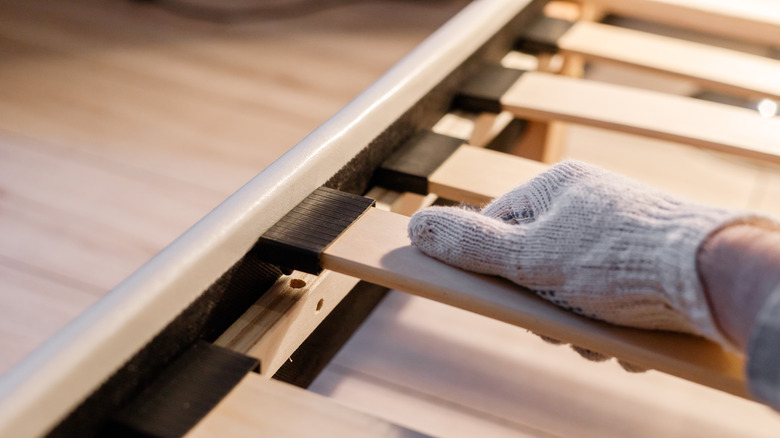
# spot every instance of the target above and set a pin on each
(284, 316)
(713, 126)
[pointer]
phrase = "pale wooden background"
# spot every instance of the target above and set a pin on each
(121, 125)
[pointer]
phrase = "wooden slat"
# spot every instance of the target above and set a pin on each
(690, 173)
(750, 20)
(713, 126)
(257, 407)
(712, 67)
(475, 176)
(377, 249)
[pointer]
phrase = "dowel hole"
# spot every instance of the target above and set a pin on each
(319, 306)
(297, 283)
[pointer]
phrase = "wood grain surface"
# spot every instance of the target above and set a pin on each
(712, 67)
(475, 175)
(122, 124)
(751, 20)
(724, 128)
(288, 411)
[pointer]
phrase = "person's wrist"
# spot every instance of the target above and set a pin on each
(738, 269)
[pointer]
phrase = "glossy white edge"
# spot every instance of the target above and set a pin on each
(45, 386)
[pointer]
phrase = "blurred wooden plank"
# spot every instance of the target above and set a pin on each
(86, 219)
(35, 305)
(188, 98)
(712, 67)
(122, 124)
(767, 199)
(416, 355)
(695, 174)
(427, 410)
(73, 226)
(165, 125)
(259, 407)
(750, 20)
(717, 127)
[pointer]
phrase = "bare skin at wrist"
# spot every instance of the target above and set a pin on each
(739, 267)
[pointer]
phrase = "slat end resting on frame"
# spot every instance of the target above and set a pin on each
(484, 90)
(408, 169)
(182, 394)
(297, 240)
(542, 35)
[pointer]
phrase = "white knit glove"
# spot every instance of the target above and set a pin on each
(593, 242)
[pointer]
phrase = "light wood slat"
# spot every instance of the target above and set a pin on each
(259, 407)
(376, 248)
(750, 20)
(713, 126)
(477, 129)
(475, 175)
(713, 67)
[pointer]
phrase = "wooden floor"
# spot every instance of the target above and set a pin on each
(122, 124)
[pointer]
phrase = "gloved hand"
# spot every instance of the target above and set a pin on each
(591, 241)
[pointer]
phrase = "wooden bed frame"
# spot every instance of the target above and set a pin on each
(206, 284)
